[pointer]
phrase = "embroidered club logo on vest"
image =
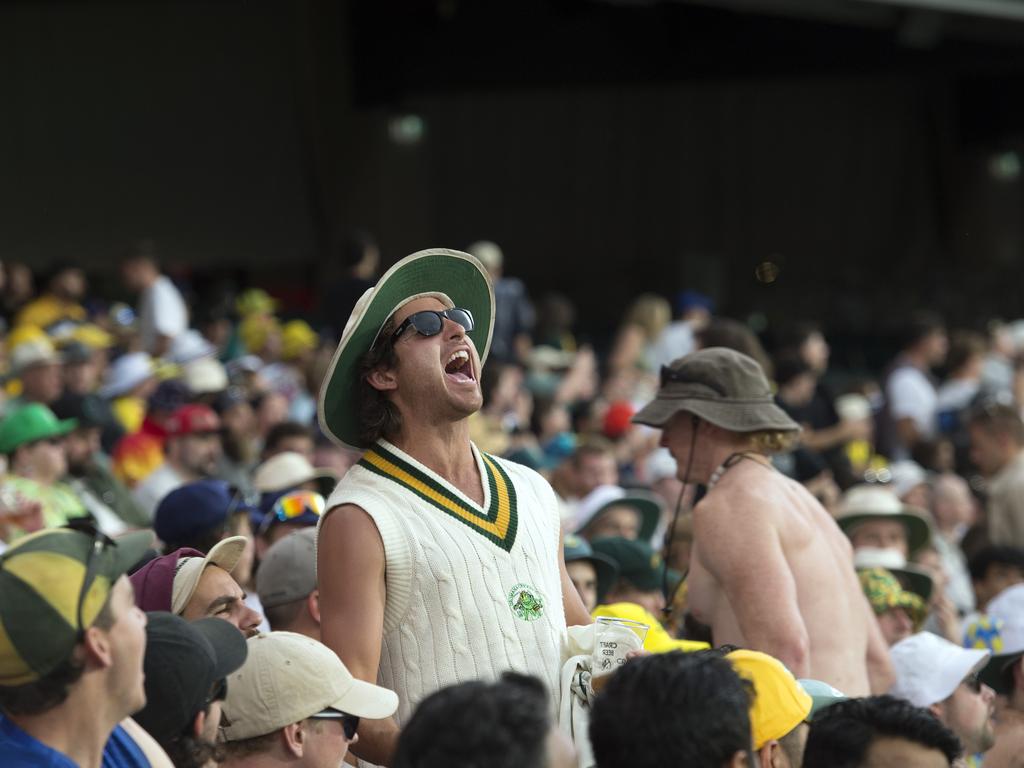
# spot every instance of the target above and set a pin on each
(498, 523)
(526, 602)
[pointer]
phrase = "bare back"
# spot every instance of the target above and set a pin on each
(772, 571)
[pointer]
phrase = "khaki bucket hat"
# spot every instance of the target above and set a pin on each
(721, 386)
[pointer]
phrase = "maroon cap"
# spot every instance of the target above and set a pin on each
(192, 419)
(154, 582)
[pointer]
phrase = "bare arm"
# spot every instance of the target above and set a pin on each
(881, 675)
(350, 567)
(740, 547)
(575, 611)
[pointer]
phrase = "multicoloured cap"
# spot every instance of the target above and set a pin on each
(884, 592)
(41, 581)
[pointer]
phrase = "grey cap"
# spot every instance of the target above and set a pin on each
(288, 571)
(721, 386)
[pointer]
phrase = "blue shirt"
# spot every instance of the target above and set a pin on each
(20, 750)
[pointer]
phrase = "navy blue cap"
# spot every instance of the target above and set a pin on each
(689, 299)
(194, 509)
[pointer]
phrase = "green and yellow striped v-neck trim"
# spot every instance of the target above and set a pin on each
(498, 523)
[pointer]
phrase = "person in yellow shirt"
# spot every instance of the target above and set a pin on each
(59, 303)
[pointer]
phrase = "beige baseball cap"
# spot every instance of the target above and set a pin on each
(288, 677)
(225, 553)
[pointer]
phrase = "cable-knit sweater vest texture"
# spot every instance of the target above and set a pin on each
(471, 592)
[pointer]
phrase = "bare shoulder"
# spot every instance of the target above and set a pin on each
(349, 528)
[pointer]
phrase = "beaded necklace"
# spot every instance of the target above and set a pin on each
(731, 461)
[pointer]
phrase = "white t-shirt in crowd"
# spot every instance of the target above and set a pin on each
(674, 342)
(162, 312)
(911, 395)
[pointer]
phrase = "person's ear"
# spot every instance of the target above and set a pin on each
(382, 379)
(313, 605)
(96, 646)
(199, 724)
(770, 755)
(294, 737)
(937, 709)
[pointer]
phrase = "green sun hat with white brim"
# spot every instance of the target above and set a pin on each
(456, 279)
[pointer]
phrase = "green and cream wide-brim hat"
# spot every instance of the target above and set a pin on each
(456, 279)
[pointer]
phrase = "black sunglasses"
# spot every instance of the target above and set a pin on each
(100, 541)
(429, 322)
(349, 723)
(218, 692)
(973, 682)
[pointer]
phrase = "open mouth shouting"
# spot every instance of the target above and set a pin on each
(459, 367)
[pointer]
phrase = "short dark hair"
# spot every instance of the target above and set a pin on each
(354, 248)
(671, 709)
(378, 416)
(501, 725)
(998, 418)
(788, 366)
(964, 345)
(841, 735)
(52, 689)
(284, 431)
(986, 557)
(282, 616)
(593, 445)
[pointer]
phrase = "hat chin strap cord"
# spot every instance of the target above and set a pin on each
(731, 460)
(669, 541)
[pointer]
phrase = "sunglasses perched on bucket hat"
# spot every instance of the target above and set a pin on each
(429, 322)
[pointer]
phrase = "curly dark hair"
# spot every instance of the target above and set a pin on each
(500, 725)
(672, 709)
(842, 734)
(378, 416)
(188, 751)
(52, 689)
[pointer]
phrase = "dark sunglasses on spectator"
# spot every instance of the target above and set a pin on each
(973, 682)
(429, 322)
(218, 692)
(349, 723)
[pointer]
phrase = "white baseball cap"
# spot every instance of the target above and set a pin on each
(929, 668)
(288, 677)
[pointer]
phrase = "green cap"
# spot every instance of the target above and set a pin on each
(456, 279)
(574, 548)
(822, 696)
(41, 579)
(29, 423)
(638, 564)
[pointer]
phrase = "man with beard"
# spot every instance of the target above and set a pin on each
(192, 450)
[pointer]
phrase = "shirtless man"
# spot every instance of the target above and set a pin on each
(437, 563)
(770, 570)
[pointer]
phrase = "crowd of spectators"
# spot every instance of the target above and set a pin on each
(165, 471)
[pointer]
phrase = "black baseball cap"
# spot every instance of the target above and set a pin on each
(184, 660)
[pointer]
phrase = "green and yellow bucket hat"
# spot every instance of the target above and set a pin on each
(884, 592)
(41, 585)
(454, 278)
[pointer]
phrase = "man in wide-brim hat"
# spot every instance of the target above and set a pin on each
(437, 563)
(770, 570)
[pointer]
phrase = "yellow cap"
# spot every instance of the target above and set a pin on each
(256, 329)
(658, 640)
(24, 333)
(780, 703)
(92, 336)
(297, 337)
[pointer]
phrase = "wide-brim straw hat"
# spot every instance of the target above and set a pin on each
(721, 386)
(872, 502)
(456, 279)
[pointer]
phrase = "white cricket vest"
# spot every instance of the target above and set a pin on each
(471, 592)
